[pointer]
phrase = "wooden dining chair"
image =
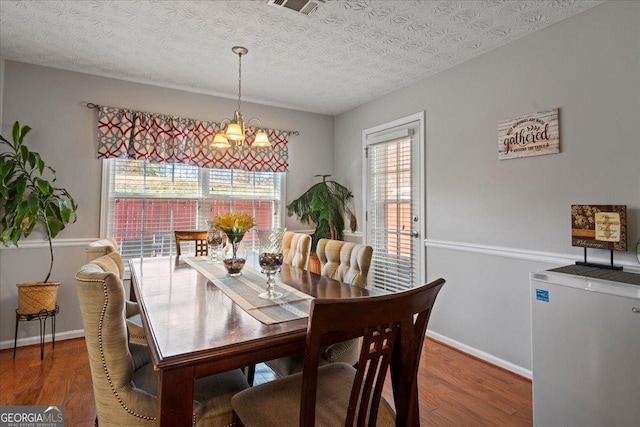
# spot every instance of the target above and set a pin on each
(125, 382)
(198, 237)
(349, 263)
(392, 328)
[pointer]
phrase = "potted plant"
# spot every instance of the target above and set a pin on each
(27, 199)
(325, 204)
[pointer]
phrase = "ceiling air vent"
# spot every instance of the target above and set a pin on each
(305, 7)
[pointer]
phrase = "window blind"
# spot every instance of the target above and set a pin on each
(391, 199)
(148, 201)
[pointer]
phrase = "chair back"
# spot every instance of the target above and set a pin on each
(102, 304)
(392, 328)
(100, 247)
(296, 248)
(344, 261)
(199, 237)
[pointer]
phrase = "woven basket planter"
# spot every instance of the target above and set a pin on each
(34, 297)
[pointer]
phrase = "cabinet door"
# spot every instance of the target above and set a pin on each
(585, 357)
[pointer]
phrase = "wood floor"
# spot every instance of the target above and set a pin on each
(455, 389)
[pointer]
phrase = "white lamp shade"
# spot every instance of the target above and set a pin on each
(261, 139)
(219, 141)
(234, 132)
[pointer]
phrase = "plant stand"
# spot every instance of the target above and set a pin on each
(42, 316)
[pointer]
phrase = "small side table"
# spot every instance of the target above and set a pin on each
(42, 316)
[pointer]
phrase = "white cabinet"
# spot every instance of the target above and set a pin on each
(585, 351)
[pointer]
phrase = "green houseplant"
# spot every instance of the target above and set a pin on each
(325, 204)
(28, 197)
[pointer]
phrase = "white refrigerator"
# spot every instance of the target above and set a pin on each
(585, 351)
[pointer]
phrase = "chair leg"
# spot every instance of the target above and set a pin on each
(250, 372)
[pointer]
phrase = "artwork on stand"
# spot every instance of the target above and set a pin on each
(530, 135)
(599, 227)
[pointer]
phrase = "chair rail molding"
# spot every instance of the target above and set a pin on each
(42, 243)
(524, 254)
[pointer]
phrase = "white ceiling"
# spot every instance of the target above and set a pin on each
(343, 55)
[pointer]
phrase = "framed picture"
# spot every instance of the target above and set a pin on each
(599, 226)
(530, 135)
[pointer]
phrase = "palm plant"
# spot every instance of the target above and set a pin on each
(325, 204)
(26, 197)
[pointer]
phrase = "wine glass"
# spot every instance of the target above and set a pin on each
(270, 257)
(214, 240)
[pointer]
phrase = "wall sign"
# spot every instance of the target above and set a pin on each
(599, 226)
(531, 135)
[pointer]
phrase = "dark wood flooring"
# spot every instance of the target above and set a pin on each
(455, 389)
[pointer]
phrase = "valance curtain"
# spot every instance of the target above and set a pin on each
(158, 138)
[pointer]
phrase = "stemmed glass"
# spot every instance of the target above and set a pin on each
(214, 240)
(270, 258)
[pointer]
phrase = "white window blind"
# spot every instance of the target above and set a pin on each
(391, 201)
(146, 202)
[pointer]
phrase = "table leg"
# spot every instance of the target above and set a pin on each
(175, 395)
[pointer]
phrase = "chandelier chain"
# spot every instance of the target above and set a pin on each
(239, 78)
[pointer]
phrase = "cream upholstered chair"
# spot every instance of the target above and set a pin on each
(296, 248)
(99, 248)
(124, 382)
(344, 261)
(392, 328)
(349, 263)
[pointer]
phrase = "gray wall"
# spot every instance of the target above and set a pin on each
(64, 132)
(491, 222)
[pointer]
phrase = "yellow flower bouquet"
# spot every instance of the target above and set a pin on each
(234, 225)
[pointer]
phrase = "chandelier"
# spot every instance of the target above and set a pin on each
(235, 130)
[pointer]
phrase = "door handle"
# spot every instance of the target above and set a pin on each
(414, 233)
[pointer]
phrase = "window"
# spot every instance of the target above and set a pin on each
(144, 202)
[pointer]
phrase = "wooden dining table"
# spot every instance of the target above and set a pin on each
(194, 329)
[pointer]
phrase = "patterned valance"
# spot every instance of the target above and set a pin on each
(159, 138)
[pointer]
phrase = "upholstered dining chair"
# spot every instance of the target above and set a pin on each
(296, 248)
(392, 328)
(344, 261)
(198, 237)
(100, 247)
(106, 246)
(124, 381)
(349, 263)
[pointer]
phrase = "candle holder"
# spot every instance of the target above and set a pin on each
(215, 238)
(270, 258)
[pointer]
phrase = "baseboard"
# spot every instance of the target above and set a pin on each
(36, 339)
(519, 370)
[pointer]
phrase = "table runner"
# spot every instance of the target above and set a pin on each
(244, 290)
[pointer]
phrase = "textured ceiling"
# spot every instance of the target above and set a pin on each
(343, 55)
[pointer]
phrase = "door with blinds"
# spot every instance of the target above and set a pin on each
(394, 203)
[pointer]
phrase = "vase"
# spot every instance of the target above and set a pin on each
(234, 255)
(270, 257)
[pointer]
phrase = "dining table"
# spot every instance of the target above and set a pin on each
(199, 321)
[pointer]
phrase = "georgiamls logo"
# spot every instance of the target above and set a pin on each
(31, 416)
